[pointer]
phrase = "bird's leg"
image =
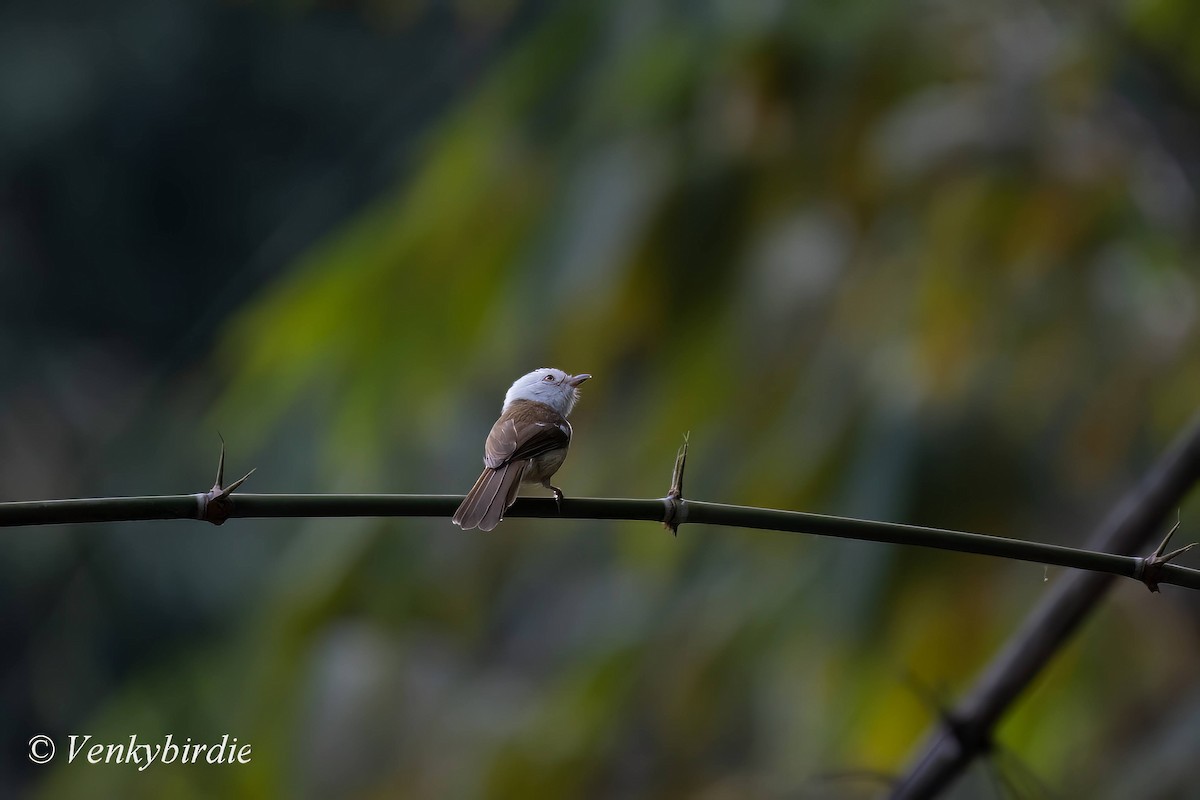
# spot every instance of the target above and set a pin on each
(558, 495)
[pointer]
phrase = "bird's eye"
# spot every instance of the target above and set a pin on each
(549, 378)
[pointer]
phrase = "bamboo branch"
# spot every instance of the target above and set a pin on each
(1131, 526)
(671, 509)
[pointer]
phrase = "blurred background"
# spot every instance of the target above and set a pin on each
(931, 263)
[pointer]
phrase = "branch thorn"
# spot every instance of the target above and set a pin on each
(676, 513)
(215, 505)
(1149, 568)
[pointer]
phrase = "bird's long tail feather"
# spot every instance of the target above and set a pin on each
(490, 497)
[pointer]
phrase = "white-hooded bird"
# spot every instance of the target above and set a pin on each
(526, 445)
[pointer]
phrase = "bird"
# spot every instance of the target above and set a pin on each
(527, 444)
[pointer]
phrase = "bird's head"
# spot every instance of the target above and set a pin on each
(547, 385)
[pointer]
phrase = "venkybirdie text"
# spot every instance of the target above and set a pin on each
(167, 751)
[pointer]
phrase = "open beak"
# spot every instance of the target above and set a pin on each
(575, 380)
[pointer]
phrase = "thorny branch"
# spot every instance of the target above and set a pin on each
(1129, 527)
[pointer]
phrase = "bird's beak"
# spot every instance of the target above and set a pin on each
(575, 380)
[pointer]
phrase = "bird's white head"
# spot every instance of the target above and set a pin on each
(547, 385)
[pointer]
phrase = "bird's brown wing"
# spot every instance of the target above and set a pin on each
(512, 441)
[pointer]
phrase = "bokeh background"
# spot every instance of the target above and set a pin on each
(925, 262)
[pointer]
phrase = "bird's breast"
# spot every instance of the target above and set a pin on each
(543, 466)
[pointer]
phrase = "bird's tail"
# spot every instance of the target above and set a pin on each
(490, 497)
